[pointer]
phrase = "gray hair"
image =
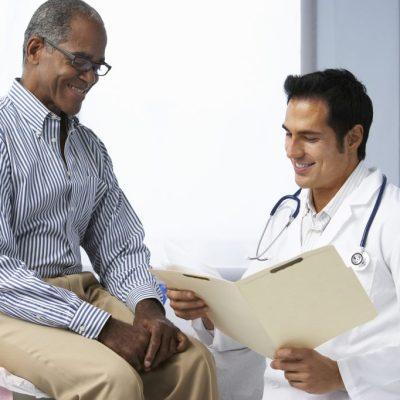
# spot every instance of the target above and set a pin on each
(52, 20)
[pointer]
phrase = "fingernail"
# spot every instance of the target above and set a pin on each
(147, 364)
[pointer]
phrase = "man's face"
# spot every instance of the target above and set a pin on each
(58, 84)
(318, 161)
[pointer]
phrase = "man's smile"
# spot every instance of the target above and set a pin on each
(302, 167)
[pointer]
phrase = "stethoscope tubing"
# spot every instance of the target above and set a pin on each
(296, 211)
(364, 238)
(292, 217)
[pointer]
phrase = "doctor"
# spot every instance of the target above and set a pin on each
(328, 118)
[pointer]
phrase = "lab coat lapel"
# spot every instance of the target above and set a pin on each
(361, 196)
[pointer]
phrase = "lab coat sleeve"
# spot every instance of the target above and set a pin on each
(205, 335)
(215, 338)
(376, 374)
(373, 375)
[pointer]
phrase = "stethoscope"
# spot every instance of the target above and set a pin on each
(360, 259)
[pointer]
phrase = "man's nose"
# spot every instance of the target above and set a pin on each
(89, 77)
(294, 148)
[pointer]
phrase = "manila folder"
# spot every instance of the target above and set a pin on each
(302, 302)
(229, 311)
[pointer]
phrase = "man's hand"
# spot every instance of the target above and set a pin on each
(165, 338)
(308, 370)
(187, 305)
(130, 342)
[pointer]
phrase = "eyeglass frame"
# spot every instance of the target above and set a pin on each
(73, 57)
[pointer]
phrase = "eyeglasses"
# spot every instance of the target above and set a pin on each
(82, 64)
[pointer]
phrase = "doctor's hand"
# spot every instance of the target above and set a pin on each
(187, 305)
(308, 370)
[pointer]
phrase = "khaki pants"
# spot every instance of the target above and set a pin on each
(68, 366)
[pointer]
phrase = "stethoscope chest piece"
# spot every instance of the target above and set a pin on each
(360, 260)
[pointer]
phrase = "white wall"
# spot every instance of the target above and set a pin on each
(192, 113)
(363, 36)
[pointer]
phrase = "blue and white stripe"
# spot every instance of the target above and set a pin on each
(49, 208)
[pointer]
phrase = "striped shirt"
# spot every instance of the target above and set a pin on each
(49, 208)
(313, 223)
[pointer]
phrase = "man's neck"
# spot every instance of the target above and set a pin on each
(28, 84)
(322, 196)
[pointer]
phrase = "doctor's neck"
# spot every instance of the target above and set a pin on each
(322, 195)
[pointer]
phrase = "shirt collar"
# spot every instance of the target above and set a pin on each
(31, 108)
(352, 182)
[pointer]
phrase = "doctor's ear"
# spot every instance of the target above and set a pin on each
(355, 136)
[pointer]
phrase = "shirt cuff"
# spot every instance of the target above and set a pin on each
(205, 335)
(140, 293)
(88, 321)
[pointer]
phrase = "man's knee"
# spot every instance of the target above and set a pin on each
(120, 381)
(199, 356)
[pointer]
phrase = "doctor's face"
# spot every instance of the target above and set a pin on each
(319, 161)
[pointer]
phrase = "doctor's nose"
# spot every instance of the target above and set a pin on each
(293, 148)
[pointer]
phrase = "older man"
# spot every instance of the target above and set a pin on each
(70, 335)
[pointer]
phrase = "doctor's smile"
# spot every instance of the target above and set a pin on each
(322, 160)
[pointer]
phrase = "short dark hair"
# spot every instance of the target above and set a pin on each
(346, 97)
(52, 20)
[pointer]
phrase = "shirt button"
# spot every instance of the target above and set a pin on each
(69, 173)
(38, 133)
(82, 329)
(54, 140)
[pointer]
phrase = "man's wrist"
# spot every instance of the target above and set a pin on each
(149, 308)
(105, 330)
(139, 293)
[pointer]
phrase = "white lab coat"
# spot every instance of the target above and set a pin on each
(369, 355)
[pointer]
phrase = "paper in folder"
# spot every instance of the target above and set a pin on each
(302, 302)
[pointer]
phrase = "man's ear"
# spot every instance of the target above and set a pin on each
(34, 49)
(354, 137)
